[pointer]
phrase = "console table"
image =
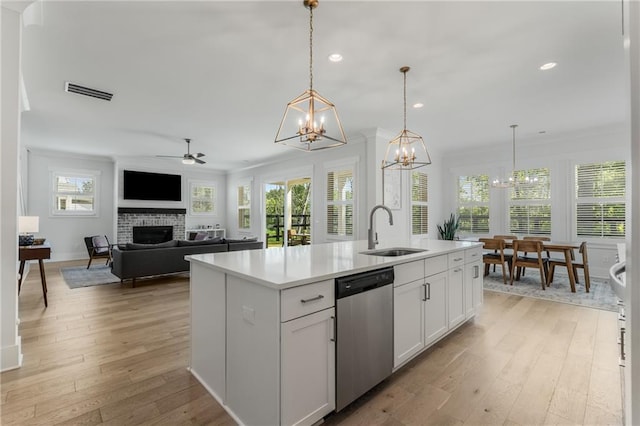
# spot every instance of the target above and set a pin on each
(38, 253)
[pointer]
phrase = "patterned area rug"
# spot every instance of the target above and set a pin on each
(600, 295)
(80, 276)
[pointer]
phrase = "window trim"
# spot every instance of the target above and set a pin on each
(247, 184)
(473, 204)
(530, 203)
(79, 173)
(214, 198)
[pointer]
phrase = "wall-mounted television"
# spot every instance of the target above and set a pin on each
(152, 186)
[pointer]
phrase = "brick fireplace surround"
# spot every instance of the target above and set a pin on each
(128, 217)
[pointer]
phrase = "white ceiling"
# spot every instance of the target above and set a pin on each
(221, 73)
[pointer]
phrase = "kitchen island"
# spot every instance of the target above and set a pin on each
(263, 321)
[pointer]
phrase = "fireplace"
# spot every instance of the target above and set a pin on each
(152, 234)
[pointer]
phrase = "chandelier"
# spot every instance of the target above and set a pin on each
(407, 150)
(310, 121)
(513, 179)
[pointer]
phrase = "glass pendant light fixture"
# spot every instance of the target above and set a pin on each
(513, 179)
(310, 122)
(407, 150)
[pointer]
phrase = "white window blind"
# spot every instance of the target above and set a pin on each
(530, 205)
(203, 197)
(244, 206)
(600, 200)
(419, 203)
(473, 204)
(74, 194)
(340, 203)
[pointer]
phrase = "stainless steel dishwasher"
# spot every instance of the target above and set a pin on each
(364, 333)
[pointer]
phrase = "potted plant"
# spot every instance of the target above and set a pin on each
(448, 230)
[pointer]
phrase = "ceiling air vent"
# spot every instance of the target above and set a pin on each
(86, 91)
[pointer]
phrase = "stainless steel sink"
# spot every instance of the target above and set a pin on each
(394, 251)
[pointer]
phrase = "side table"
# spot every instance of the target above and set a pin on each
(38, 253)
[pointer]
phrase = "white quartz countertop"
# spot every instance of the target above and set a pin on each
(286, 267)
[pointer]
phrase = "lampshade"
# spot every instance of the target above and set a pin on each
(27, 224)
(310, 121)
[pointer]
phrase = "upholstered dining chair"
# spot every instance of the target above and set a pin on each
(496, 257)
(584, 265)
(98, 246)
(533, 259)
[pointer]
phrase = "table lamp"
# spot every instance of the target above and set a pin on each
(27, 225)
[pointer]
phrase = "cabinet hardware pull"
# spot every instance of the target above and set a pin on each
(457, 270)
(476, 271)
(424, 294)
(311, 299)
(333, 329)
(457, 259)
(428, 291)
(622, 354)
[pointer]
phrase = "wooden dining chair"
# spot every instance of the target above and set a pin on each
(529, 261)
(537, 238)
(496, 257)
(584, 265)
(506, 238)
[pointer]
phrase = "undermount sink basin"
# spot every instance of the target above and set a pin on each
(394, 251)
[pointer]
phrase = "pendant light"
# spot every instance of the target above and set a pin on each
(407, 150)
(310, 122)
(512, 180)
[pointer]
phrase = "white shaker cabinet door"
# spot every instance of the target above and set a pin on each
(408, 324)
(435, 307)
(308, 368)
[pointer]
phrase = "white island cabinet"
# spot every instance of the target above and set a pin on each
(263, 339)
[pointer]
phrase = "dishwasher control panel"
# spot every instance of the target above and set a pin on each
(365, 281)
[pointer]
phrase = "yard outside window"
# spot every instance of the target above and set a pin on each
(74, 193)
(244, 206)
(530, 205)
(600, 200)
(340, 203)
(473, 204)
(203, 199)
(419, 203)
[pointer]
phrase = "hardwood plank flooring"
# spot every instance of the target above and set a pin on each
(116, 355)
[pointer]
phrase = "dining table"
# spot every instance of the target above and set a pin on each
(558, 247)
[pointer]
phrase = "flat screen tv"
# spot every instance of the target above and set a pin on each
(152, 186)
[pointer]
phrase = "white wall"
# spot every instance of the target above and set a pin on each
(10, 352)
(560, 154)
(66, 234)
(189, 173)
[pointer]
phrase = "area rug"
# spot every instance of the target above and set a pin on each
(600, 295)
(80, 276)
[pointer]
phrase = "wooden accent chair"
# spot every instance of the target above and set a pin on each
(529, 261)
(497, 257)
(98, 246)
(584, 265)
(294, 239)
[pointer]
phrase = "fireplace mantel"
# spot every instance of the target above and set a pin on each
(150, 210)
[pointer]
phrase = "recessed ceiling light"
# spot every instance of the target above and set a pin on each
(548, 66)
(418, 105)
(335, 57)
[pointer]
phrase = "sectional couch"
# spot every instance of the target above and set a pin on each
(142, 260)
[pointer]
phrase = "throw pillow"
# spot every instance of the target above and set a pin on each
(200, 236)
(100, 244)
(139, 246)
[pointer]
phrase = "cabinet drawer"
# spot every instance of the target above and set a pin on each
(472, 255)
(456, 259)
(407, 272)
(435, 265)
(306, 299)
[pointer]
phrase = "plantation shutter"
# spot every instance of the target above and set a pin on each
(340, 203)
(419, 203)
(530, 206)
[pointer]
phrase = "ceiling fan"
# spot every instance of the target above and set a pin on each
(187, 158)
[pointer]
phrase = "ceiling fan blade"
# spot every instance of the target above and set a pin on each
(199, 155)
(169, 156)
(199, 161)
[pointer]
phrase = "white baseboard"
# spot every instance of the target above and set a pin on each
(11, 357)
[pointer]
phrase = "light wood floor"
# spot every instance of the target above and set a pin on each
(116, 355)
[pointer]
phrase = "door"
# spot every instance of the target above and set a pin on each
(287, 206)
(308, 368)
(408, 322)
(435, 308)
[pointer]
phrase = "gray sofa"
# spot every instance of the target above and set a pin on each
(131, 261)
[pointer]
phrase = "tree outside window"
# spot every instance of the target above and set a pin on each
(600, 200)
(530, 205)
(203, 197)
(473, 204)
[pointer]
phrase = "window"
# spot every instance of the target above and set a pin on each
(419, 200)
(203, 198)
(244, 206)
(473, 204)
(600, 200)
(340, 203)
(74, 193)
(530, 206)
